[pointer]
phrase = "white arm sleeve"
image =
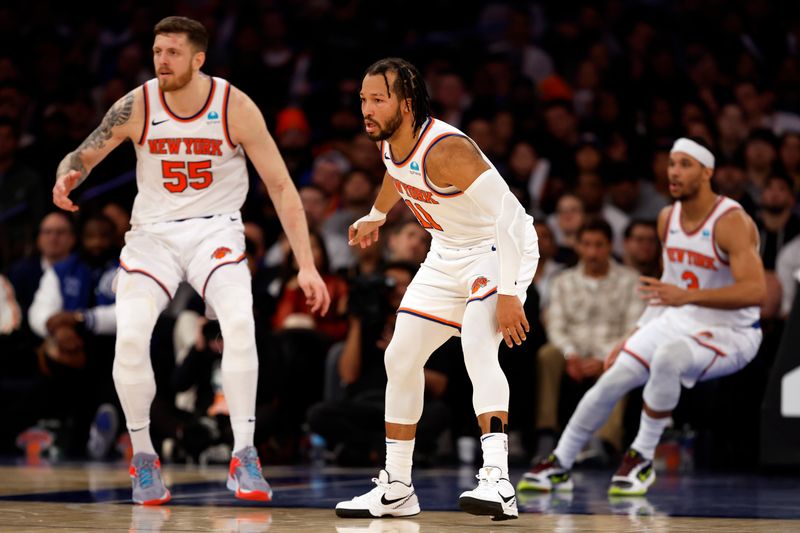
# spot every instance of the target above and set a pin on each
(492, 195)
(101, 319)
(46, 302)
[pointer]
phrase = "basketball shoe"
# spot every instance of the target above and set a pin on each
(388, 498)
(633, 477)
(494, 496)
(245, 477)
(148, 487)
(547, 476)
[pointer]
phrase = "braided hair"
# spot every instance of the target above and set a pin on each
(408, 84)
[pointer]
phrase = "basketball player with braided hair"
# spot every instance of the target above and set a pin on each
(472, 283)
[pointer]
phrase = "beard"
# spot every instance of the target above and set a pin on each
(391, 127)
(176, 82)
(774, 209)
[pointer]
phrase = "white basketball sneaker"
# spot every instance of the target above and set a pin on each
(388, 498)
(494, 496)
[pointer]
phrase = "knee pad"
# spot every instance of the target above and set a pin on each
(670, 361)
(137, 308)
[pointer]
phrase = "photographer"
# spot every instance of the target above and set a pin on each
(354, 424)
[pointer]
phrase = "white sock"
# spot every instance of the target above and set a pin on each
(239, 388)
(495, 451)
(650, 430)
(399, 458)
(140, 439)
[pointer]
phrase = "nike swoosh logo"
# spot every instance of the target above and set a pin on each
(250, 419)
(507, 500)
(673, 231)
(386, 156)
(384, 501)
(233, 219)
(137, 429)
(154, 123)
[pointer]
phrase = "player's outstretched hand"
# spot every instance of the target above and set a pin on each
(363, 233)
(511, 320)
(314, 288)
(64, 185)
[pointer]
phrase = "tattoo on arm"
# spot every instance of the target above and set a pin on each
(119, 114)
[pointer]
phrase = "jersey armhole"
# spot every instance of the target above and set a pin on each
(146, 115)
(225, 100)
(721, 255)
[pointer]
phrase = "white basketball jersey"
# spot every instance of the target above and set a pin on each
(694, 261)
(449, 215)
(187, 167)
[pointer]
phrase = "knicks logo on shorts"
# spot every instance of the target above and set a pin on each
(478, 284)
(221, 252)
(706, 334)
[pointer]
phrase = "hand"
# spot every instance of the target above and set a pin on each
(511, 320)
(612, 356)
(64, 185)
(591, 367)
(317, 297)
(656, 292)
(366, 234)
(62, 319)
(574, 368)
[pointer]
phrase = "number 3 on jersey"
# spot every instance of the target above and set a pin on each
(424, 218)
(691, 280)
(181, 174)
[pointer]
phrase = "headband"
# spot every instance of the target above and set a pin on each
(696, 150)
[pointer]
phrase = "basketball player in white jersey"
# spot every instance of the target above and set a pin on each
(701, 323)
(483, 256)
(190, 132)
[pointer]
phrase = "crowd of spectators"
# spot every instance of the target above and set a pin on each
(576, 103)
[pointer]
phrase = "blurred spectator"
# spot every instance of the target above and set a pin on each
(293, 312)
(760, 154)
(78, 290)
(358, 194)
(730, 180)
(592, 192)
(21, 197)
(548, 267)
(293, 137)
(121, 219)
(634, 197)
(449, 97)
(643, 248)
(790, 158)
(328, 173)
(788, 271)
(565, 223)
(527, 170)
(778, 223)
(10, 314)
(407, 241)
(592, 307)
(732, 131)
(53, 244)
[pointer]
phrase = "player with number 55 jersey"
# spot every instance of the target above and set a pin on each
(191, 132)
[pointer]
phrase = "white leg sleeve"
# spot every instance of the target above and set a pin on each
(230, 295)
(596, 405)
(480, 341)
(414, 340)
(139, 302)
(670, 361)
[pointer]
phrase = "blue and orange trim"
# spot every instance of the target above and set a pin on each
(425, 172)
(422, 135)
(196, 115)
(432, 318)
(484, 296)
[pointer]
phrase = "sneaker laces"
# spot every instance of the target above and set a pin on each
(250, 463)
(629, 462)
(145, 472)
